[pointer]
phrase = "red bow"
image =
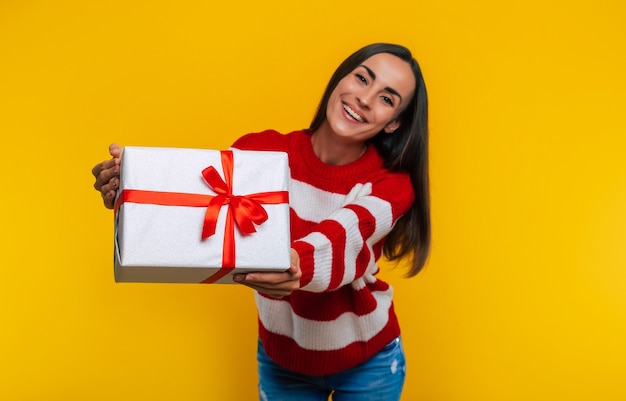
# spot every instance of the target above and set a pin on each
(245, 210)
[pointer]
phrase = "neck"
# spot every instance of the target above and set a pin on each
(331, 151)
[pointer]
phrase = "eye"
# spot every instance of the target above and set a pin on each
(387, 100)
(361, 78)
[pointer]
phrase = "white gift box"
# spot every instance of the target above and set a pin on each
(169, 198)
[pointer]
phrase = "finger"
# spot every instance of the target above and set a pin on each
(109, 200)
(109, 192)
(102, 168)
(270, 277)
(280, 285)
(104, 172)
(107, 180)
(115, 150)
(294, 269)
(111, 186)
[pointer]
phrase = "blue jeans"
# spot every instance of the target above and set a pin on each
(380, 378)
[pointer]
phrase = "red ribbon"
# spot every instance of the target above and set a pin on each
(244, 211)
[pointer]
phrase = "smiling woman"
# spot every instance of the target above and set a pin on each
(365, 103)
(358, 191)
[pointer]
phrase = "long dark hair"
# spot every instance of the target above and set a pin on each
(406, 149)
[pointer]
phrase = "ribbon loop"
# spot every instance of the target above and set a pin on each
(215, 181)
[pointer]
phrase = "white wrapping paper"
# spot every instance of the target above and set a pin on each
(163, 243)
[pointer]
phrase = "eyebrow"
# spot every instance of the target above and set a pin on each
(373, 76)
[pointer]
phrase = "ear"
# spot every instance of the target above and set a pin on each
(392, 126)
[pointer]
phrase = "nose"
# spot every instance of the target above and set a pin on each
(365, 98)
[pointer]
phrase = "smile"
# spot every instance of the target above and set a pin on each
(353, 113)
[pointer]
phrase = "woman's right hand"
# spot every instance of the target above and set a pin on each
(107, 176)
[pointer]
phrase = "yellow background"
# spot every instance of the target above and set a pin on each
(524, 297)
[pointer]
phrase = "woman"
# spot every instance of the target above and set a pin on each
(359, 190)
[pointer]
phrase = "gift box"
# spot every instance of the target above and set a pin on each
(200, 216)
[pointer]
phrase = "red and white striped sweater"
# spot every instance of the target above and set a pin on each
(340, 216)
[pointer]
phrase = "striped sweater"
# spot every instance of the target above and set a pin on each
(340, 215)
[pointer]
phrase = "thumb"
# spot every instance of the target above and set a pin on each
(115, 150)
(295, 262)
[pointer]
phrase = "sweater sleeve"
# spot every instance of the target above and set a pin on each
(343, 248)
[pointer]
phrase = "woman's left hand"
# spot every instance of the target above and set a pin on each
(274, 284)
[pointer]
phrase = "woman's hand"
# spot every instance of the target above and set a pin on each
(274, 284)
(107, 176)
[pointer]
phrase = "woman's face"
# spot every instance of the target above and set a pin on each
(370, 98)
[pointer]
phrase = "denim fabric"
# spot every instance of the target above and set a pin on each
(380, 378)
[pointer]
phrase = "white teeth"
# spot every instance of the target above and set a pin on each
(352, 113)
